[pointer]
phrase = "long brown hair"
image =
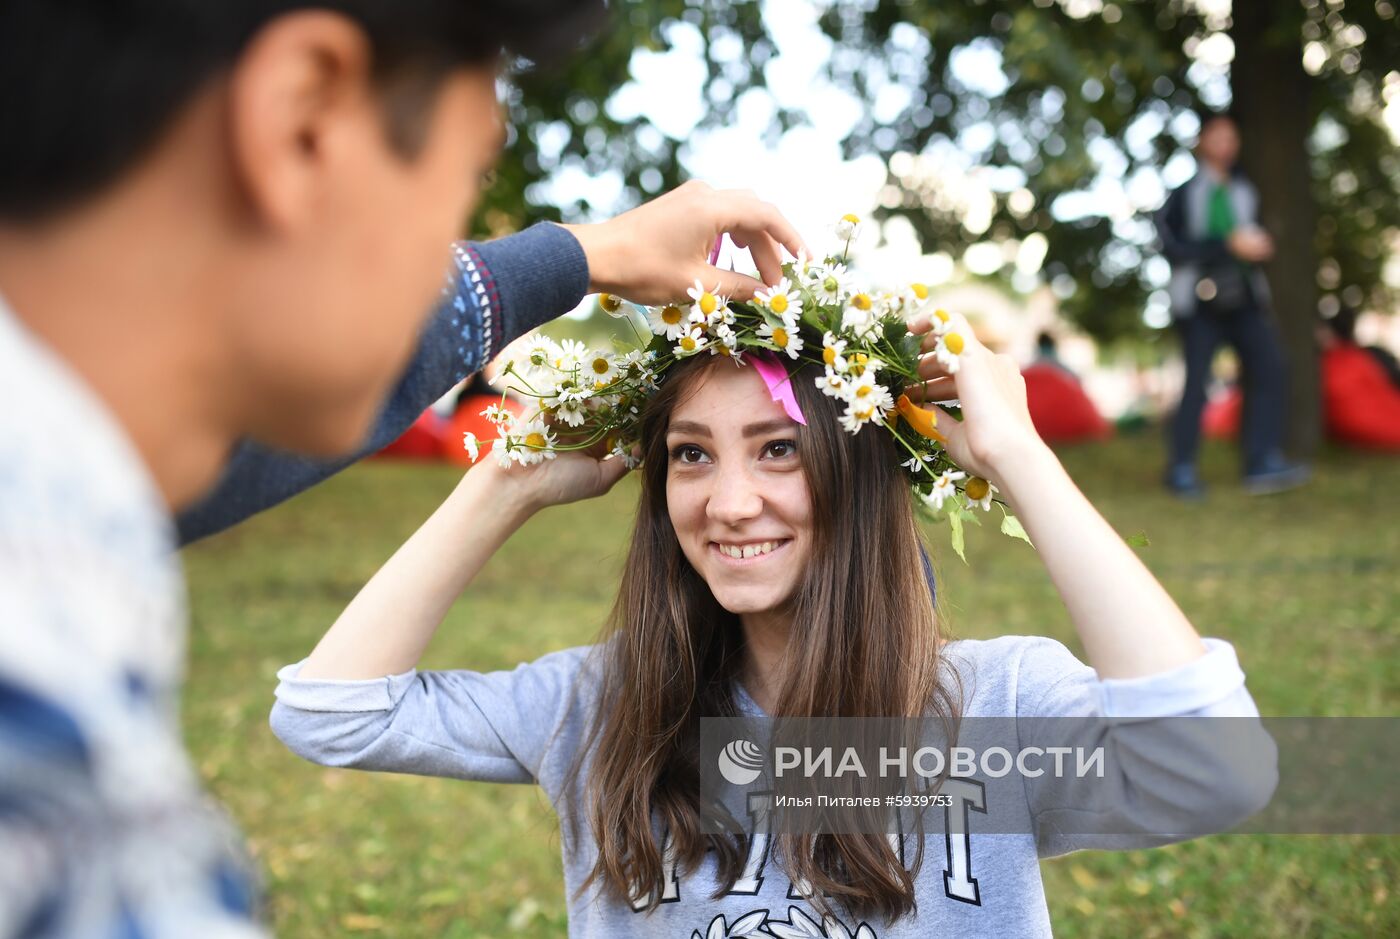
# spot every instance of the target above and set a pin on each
(672, 653)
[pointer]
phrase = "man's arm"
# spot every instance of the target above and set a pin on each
(496, 291)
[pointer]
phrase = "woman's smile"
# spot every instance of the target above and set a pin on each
(747, 553)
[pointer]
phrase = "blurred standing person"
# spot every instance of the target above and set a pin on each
(1209, 233)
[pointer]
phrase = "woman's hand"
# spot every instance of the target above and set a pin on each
(996, 427)
(570, 476)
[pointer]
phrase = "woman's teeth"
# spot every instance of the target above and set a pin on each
(748, 551)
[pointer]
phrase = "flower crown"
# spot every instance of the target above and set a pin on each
(817, 312)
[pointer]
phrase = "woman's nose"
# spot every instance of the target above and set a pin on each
(734, 497)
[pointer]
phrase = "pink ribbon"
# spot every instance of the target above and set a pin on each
(775, 376)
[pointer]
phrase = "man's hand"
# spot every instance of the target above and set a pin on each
(1251, 244)
(652, 254)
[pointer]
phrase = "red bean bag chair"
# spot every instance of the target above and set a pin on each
(1360, 405)
(1060, 410)
(1220, 420)
(422, 441)
(467, 418)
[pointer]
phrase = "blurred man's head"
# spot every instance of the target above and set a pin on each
(1219, 140)
(316, 159)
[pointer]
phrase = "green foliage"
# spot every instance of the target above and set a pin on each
(1078, 87)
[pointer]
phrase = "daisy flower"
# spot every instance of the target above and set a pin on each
(833, 384)
(725, 342)
(540, 352)
(917, 462)
(612, 305)
(534, 443)
(979, 493)
(601, 369)
(668, 321)
(950, 346)
(785, 336)
(857, 416)
(831, 282)
(471, 445)
(848, 227)
(692, 342)
(943, 488)
(783, 299)
(496, 414)
(572, 354)
(859, 316)
(865, 393)
(572, 406)
(706, 301)
(804, 269)
(833, 352)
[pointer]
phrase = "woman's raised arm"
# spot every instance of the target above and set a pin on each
(389, 624)
(1128, 623)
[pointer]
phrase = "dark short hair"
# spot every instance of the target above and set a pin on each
(1206, 114)
(86, 86)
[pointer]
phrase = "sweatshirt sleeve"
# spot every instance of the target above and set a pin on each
(513, 725)
(1184, 751)
(494, 292)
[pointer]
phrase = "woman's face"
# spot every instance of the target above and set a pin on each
(735, 486)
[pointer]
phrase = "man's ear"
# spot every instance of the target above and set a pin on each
(296, 95)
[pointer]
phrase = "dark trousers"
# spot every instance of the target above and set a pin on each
(1251, 333)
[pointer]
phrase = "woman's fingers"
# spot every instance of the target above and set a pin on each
(935, 389)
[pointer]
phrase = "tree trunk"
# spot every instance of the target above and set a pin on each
(1272, 98)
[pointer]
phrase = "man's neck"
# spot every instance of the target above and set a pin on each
(1217, 172)
(122, 307)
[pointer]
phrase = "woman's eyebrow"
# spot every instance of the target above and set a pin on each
(750, 430)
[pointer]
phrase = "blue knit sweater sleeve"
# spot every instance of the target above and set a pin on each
(495, 291)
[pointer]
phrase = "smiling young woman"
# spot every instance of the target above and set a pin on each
(775, 569)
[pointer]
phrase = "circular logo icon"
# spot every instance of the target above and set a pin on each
(740, 762)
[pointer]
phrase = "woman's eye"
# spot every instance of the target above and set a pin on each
(687, 453)
(782, 448)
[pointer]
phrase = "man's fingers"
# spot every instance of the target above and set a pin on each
(732, 284)
(744, 215)
(766, 258)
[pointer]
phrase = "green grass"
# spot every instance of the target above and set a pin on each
(1302, 583)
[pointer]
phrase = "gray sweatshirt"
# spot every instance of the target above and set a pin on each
(526, 724)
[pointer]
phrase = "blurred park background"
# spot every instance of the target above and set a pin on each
(1009, 153)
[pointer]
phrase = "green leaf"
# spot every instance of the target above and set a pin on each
(955, 524)
(1138, 540)
(1010, 525)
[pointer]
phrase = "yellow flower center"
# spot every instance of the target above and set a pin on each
(708, 303)
(829, 355)
(865, 413)
(954, 342)
(600, 365)
(608, 302)
(849, 217)
(977, 488)
(671, 315)
(860, 301)
(688, 343)
(863, 391)
(535, 439)
(778, 304)
(920, 291)
(941, 314)
(780, 338)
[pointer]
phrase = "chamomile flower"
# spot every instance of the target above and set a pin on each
(950, 346)
(601, 368)
(496, 414)
(785, 336)
(668, 321)
(918, 462)
(572, 354)
(865, 393)
(782, 299)
(471, 445)
(725, 342)
(613, 305)
(940, 322)
(540, 352)
(533, 443)
(858, 307)
(833, 352)
(848, 227)
(915, 296)
(706, 302)
(804, 269)
(572, 406)
(691, 342)
(833, 384)
(831, 282)
(979, 493)
(944, 488)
